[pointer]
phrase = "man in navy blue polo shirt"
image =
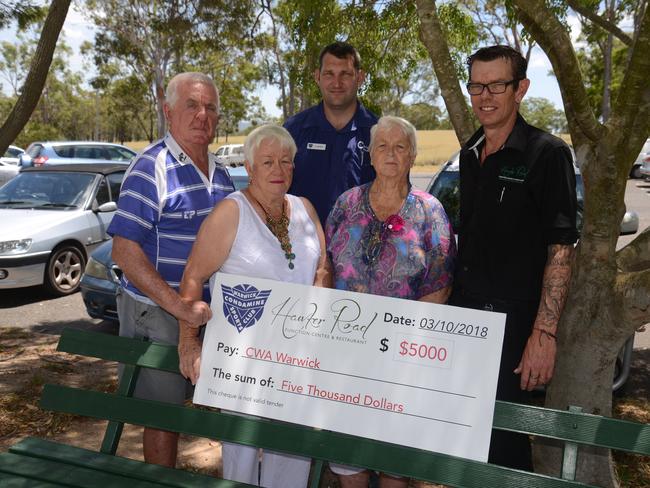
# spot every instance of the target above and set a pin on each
(333, 136)
(167, 192)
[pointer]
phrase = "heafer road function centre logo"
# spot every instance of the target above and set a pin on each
(243, 305)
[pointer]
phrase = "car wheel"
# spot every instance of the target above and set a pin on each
(636, 172)
(64, 270)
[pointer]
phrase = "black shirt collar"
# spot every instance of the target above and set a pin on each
(517, 139)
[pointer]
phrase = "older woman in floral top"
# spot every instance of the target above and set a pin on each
(386, 238)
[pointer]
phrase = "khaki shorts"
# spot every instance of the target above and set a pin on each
(144, 321)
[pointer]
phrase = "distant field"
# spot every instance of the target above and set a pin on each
(140, 145)
(434, 147)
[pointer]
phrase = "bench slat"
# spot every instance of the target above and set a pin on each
(121, 349)
(77, 456)
(15, 481)
(294, 439)
(583, 428)
(65, 474)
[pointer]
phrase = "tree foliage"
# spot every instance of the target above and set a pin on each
(30, 94)
(14, 56)
(152, 40)
(24, 12)
(384, 32)
(541, 113)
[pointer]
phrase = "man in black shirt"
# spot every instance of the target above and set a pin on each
(518, 225)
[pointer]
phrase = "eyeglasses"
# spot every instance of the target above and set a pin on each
(494, 88)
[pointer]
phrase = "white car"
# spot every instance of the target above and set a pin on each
(7, 171)
(52, 217)
(11, 155)
(231, 155)
(644, 161)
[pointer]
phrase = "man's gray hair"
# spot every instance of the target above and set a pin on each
(268, 131)
(390, 121)
(171, 94)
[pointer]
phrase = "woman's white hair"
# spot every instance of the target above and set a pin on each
(171, 94)
(388, 122)
(268, 131)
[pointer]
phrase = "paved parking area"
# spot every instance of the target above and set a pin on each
(31, 308)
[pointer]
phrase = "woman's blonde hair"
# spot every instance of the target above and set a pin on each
(268, 131)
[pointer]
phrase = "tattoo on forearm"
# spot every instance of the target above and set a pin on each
(555, 286)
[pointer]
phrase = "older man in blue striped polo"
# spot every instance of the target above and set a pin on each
(167, 192)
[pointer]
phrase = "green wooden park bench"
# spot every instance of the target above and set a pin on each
(37, 462)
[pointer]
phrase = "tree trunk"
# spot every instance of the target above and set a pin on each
(434, 39)
(159, 88)
(38, 70)
(607, 62)
(603, 308)
(278, 59)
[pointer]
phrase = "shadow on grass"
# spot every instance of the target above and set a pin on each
(24, 296)
(56, 327)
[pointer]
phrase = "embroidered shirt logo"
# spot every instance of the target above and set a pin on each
(516, 174)
(243, 305)
(189, 214)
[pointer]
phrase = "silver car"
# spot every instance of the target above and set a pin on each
(52, 217)
(11, 155)
(7, 171)
(644, 161)
(73, 152)
(445, 186)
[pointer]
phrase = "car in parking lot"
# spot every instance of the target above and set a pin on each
(231, 155)
(66, 152)
(645, 169)
(644, 161)
(52, 218)
(101, 278)
(11, 155)
(7, 171)
(445, 186)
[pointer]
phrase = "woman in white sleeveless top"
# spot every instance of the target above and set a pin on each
(259, 232)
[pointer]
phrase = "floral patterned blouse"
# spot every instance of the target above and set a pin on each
(409, 255)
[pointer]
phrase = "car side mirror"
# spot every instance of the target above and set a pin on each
(630, 223)
(105, 207)
(24, 160)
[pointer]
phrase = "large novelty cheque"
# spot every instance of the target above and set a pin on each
(411, 373)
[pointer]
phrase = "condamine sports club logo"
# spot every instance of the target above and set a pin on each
(243, 305)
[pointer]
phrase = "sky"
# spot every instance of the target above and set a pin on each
(78, 29)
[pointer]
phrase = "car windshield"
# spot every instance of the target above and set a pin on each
(13, 152)
(446, 189)
(50, 190)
